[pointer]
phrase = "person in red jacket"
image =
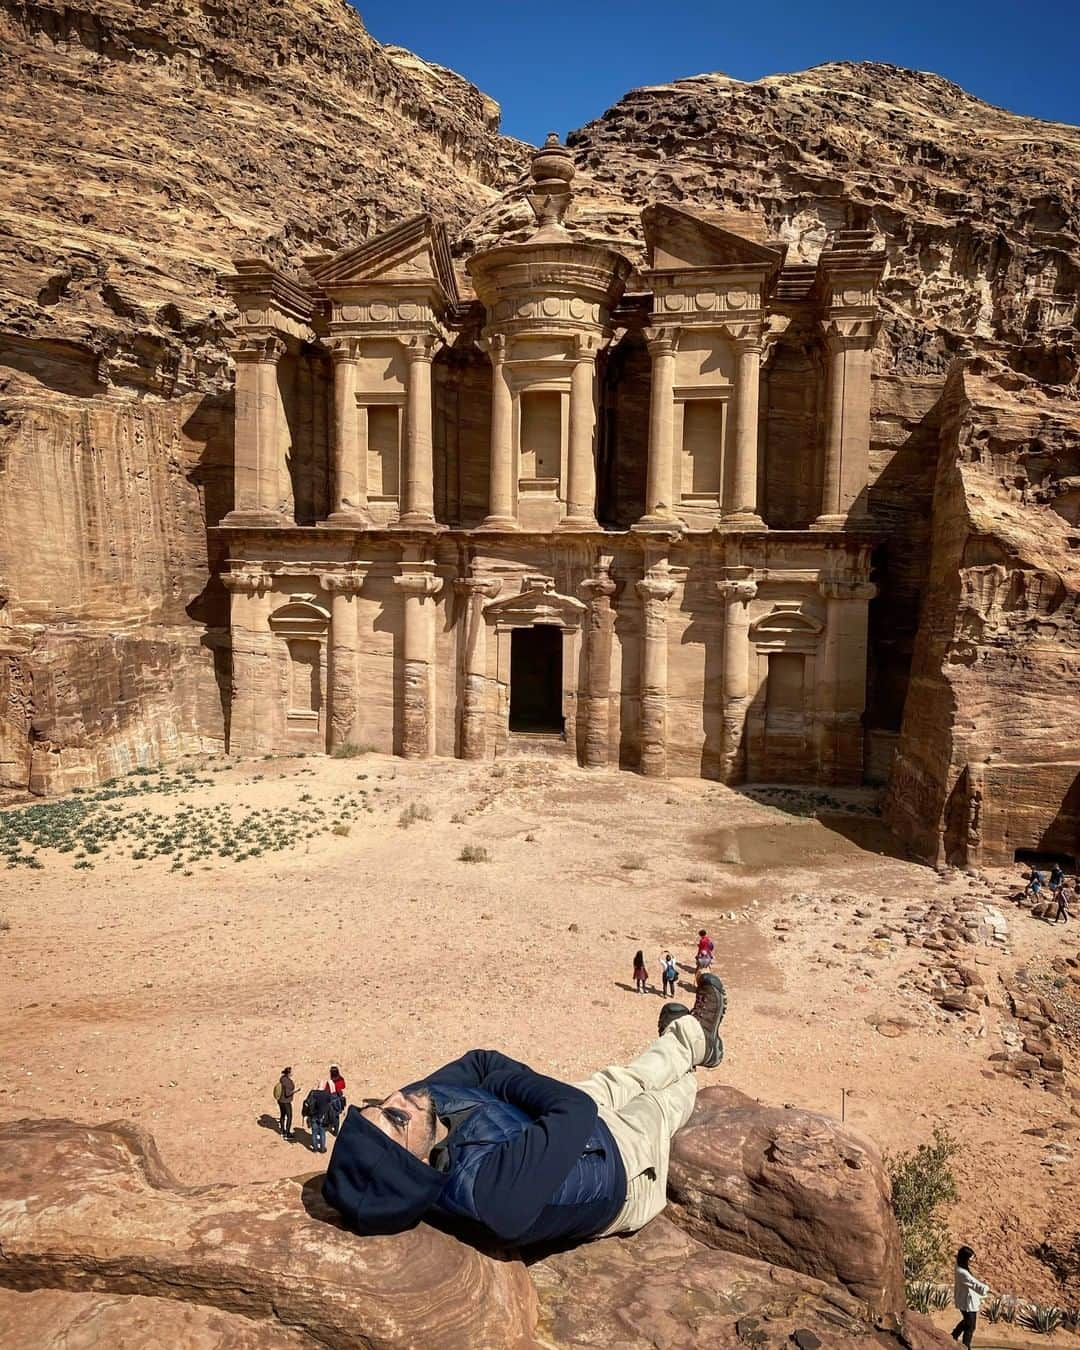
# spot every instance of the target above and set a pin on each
(335, 1084)
(704, 952)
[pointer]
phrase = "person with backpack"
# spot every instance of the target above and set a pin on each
(669, 974)
(284, 1092)
(641, 975)
(1057, 879)
(968, 1294)
(318, 1110)
(335, 1085)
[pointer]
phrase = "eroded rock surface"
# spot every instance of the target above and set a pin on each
(86, 1208)
(791, 1187)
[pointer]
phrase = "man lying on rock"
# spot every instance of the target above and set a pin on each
(494, 1150)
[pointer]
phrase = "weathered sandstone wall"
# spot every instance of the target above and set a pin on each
(141, 149)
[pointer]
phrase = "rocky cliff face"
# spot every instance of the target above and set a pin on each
(979, 214)
(142, 148)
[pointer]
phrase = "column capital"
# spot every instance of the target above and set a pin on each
(599, 587)
(658, 586)
(745, 337)
(737, 590)
(495, 346)
(849, 334)
(585, 347)
(344, 348)
(477, 587)
(266, 347)
(342, 583)
(246, 582)
(420, 583)
(420, 346)
(836, 588)
(660, 341)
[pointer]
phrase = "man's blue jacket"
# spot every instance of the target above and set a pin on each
(527, 1160)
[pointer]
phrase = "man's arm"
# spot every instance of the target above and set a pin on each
(471, 1070)
(517, 1180)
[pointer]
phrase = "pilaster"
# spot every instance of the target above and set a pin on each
(418, 497)
(599, 625)
(476, 590)
(741, 510)
(655, 589)
(349, 500)
(581, 488)
(842, 700)
(501, 496)
(738, 589)
(343, 588)
(250, 705)
(419, 585)
(260, 494)
(660, 484)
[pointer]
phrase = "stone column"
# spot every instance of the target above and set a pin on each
(581, 487)
(600, 623)
(656, 589)
(258, 456)
(842, 686)
(660, 485)
(737, 592)
(742, 509)
(475, 589)
(501, 514)
(846, 467)
(344, 676)
(349, 503)
(419, 584)
(250, 713)
(418, 497)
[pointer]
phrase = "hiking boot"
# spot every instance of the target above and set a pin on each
(668, 1014)
(709, 1008)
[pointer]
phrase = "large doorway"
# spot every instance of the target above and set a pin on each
(536, 679)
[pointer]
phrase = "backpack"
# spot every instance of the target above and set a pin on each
(670, 973)
(279, 1091)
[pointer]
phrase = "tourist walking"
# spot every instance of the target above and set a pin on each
(705, 949)
(318, 1111)
(1062, 895)
(669, 974)
(1057, 878)
(641, 975)
(1035, 883)
(968, 1295)
(284, 1092)
(335, 1085)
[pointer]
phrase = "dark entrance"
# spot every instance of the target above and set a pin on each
(536, 679)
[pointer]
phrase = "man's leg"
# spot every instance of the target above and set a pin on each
(643, 1104)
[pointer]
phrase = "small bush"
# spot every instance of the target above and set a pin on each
(634, 863)
(695, 877)
(457, 818)
(343, 830)
(922, 1184)
(347, 750)
(473, 853)
(413, 812)
(1040, 1318)
(5, 925)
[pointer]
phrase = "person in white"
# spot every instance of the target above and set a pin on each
(968, 1293)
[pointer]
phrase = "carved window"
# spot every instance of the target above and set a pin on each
(384, 450)
(785, 692)
(541, 433)
(305, 691)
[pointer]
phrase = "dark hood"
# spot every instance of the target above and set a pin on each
(376, 1185)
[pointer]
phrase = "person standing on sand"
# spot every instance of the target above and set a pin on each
(1057, 878)
(705, 950)
(335, 1085)
(670, 975)
(1062, 896)
(641, 975)
(284, 1092)
(1035, 883)
(968, 1295)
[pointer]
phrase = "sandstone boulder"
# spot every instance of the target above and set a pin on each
(86, 1208)
(662, 1289)
(790, 1187)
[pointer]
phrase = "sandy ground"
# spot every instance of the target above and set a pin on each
(174, 997)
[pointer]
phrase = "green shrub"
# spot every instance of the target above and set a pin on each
(473, 853)
(634, 863)
(341, 829)
(347, 750)
(922, 1185)
(413, 812)
(1039, 1318)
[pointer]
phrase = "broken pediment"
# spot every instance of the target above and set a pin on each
(680, 240)
(415, 251)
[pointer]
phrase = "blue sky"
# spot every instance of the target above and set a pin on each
(556, 65)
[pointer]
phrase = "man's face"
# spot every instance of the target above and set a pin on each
(409, 1120)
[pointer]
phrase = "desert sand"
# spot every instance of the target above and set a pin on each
(173, 995)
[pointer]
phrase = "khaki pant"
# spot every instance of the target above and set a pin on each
(643, 1104)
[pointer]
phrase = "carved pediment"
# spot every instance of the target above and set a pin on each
(415, 251)
(786, 626)
(299, 618)
(678, 239)
(536, 605)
